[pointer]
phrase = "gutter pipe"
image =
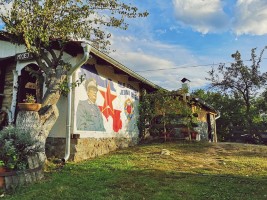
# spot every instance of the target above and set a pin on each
(219, 115)
(86, 52)
(215, 134)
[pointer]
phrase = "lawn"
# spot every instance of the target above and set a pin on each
(192, 171)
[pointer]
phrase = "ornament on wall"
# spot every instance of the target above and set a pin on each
(129, 109)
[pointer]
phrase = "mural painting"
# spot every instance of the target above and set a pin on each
(110, 105)
(89, 117)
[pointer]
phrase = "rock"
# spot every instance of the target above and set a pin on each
(165, 152)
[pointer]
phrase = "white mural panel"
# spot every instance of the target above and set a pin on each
(105, 104)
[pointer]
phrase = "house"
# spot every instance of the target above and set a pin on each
(207, 116)
(104, 107)
(196, 122)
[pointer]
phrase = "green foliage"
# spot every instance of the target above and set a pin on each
(2, 164)
(64, 87)
(15, 146)
(165, 104)
(37, 22)
(241, 82)
(29, 98)
(233, 116)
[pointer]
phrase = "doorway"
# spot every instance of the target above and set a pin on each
(28, 83)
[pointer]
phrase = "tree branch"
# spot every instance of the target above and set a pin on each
(41, 64)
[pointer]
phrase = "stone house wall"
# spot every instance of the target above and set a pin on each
(86, 148)
(8, 87)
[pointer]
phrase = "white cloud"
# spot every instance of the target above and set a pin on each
(161, 31)
(205, 16)
(202, 15)
(251, 17)
(153, 60)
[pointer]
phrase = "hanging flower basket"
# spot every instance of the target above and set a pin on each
(30, 106)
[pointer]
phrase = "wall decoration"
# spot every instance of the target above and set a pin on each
(108, 110)
(88, 117)
(106, 103)
(129, 109)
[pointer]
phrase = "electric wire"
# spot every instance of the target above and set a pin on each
(192, 66)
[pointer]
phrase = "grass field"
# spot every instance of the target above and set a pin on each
(192, 171)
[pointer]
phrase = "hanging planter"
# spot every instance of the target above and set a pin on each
(29, 106)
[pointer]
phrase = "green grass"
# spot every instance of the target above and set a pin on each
(192, 171)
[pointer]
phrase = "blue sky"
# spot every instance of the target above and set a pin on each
(184, 33)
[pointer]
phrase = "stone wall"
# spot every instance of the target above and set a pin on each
(202, 129)
(85, 148)
(14, 179)
(8, 88)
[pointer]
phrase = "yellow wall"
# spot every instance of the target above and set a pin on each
(202, 113)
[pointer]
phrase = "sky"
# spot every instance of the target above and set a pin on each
(191, 36)
(186, 38)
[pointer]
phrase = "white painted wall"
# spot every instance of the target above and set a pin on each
(9, 49)
(121, 91)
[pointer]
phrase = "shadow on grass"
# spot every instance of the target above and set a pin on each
(98, 179)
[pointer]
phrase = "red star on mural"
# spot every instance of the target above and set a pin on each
(107, 109)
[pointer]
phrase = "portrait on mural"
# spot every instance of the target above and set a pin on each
(131, 115)
(129, 109)
(89, 117)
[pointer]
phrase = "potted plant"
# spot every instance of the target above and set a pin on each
(16, 145)
(29, 104)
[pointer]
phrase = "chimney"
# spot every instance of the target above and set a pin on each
(185, 88)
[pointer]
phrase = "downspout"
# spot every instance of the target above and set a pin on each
(11, 114)
(219, 115)
(86, 52)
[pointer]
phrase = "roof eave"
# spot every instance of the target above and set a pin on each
(123, 68)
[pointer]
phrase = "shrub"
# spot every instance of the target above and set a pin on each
(15, 147)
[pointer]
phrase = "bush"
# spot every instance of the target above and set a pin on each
(15, 147)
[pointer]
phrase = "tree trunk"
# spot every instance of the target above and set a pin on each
(248, 117)
(39, 125)
(52, 93)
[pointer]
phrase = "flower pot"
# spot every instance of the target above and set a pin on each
(2, 178)
(29, 106)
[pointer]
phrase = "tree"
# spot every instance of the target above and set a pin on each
(169, 105)
(231, 111)
(240, 80)
(38, 24)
